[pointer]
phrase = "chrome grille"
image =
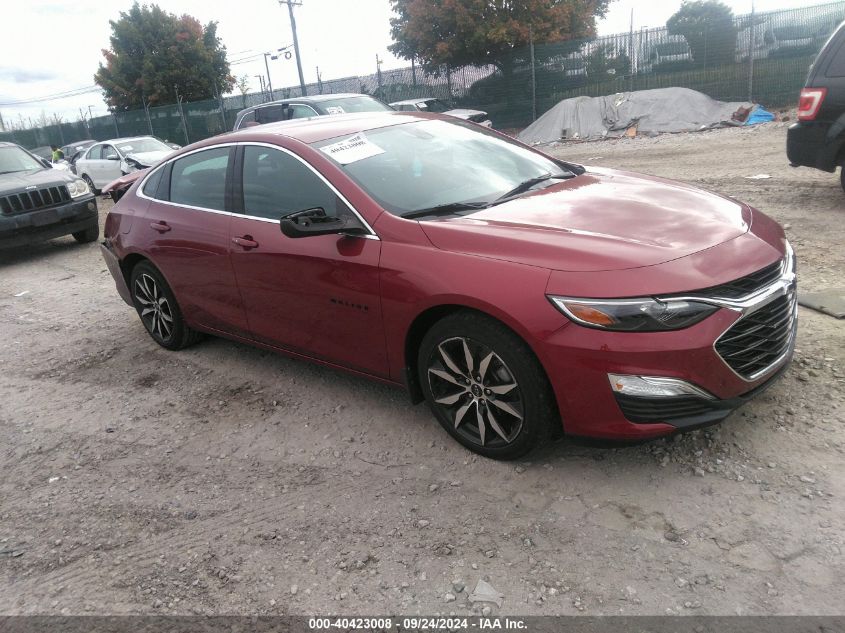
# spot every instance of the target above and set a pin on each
(33, 199)
(759, 339)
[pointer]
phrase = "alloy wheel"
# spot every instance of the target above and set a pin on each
(155, 311)
(476, 391)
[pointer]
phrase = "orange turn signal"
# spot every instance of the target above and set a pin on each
(590, 314)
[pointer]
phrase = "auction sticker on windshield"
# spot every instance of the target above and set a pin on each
(352, 149)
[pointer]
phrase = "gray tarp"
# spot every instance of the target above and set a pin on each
(651, 111)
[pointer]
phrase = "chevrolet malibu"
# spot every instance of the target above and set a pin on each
(517, 294)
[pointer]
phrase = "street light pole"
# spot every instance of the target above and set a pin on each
(269, 81)
(291, 4)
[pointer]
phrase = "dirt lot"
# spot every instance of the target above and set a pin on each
(224, 479)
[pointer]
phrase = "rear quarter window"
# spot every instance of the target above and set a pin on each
(836, 66)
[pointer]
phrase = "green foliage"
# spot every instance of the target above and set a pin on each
(479, 32)
(153, 53)
(605, 62)
(708, 26)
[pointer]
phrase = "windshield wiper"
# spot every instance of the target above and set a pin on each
(531, 182)
(446, 209)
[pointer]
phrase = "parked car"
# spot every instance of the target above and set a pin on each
(305, 107)
(38, 202)
(73, 151)
(107, 161)
(671, 54)
(817, 139)
(516, 293)
(430, 104)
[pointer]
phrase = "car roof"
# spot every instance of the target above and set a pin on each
(320, 128)
(412, 101)
(123, 139)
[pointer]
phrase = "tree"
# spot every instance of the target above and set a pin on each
(480, 32)
(154, 53)
(605, 61)
(709, 29)
(243, 84)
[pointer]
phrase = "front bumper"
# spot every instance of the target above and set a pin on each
(579, 359)
(31, 227)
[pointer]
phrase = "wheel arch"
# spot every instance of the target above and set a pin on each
(426, 319)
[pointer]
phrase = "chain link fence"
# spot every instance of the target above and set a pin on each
(762, 57)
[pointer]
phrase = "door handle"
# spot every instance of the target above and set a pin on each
(245, 242)
(161, 227)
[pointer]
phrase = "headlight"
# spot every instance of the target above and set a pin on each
(634, 315)
(133, 164)
(77, 188)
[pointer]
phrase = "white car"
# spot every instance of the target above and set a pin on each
(109, 160)
(430, 104)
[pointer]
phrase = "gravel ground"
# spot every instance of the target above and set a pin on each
(225, 479)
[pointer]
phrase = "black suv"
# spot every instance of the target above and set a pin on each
(39, 203)
(818, 138)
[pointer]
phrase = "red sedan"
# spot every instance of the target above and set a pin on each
(517, 294)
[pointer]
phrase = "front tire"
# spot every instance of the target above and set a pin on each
(485, 386)
(91, 186)
(87, 235)
(157, 307)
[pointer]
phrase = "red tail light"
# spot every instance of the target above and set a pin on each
(810, 103)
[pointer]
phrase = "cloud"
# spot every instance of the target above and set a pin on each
(26, 75)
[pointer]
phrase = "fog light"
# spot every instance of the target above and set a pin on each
(654, 387)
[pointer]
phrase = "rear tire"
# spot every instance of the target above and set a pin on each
(88, 235)
(485, 386)
(157, 307)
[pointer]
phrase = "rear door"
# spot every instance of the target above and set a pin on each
(187, 224)
(318, 295)
(90, 162)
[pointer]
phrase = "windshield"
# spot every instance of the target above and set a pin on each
(14, 159)
(353, 104)
(141, 145)
(428, 164)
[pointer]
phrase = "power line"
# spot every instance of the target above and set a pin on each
(53, 97)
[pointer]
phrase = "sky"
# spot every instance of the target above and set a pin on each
(51, 47)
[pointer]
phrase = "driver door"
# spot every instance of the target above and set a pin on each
(319, 295)
(109, 166)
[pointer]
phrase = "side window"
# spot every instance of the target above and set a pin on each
(109, 152)
(271, 114)
(199, 180)
(95, 153)
(300, 112)
(276, 184)
(151, 186)
(836, 67)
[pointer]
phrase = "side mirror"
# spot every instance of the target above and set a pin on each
(48, 164)
(112, 157)
(314, 221)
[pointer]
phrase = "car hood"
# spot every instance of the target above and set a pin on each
(463, 113)
(19, 181)
(600, 220)
(149, 158)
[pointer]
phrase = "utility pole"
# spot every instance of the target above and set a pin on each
(291, 4)
(269, 81)
(181, 113)
(533, 75)
(261, 81)
(378, 70)
(751, 57)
